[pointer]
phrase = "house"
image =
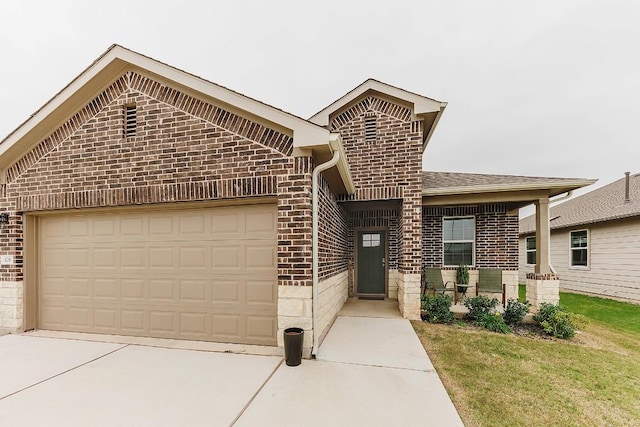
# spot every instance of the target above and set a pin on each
(595, 241)
(143, 200)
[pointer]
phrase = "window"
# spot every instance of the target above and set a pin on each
(579, 248)
(530, 244)
(458, 237)
(370, 129)
(370, 240)
(129, 120)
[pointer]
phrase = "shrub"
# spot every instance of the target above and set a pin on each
(515, 311)
(493, 322)
(437, 308)
(480, 305)
(462, 275)
(556, 321)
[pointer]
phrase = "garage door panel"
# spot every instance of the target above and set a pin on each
(78, 227)
(226, 325)
(132, 322)
(226, 291)
(194, 291)
(80, 318)
(106, 289)
(78, 258)
(162, 290)
(162, 257)
(228, 258)
(133, 258)
(261, 327)
(105, 320)
(132, 227)
(193, 224)
(194, 274)
(79, 288)
(132, 290)
(104, 258)
(162, 323)
(193, 324)
(261, 292)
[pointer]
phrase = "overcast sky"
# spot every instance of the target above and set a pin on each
(542, 88)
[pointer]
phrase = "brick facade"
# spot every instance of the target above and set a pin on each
(333, 249)
(496, 235)
(387, 167)
(184, 150)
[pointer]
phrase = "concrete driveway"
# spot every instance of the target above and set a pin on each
(370, 371)
(46, 381)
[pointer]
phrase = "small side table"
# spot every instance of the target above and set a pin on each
(461, 289)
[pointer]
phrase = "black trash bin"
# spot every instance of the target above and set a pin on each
(293, 338)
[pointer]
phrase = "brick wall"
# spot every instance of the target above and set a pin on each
(387, 167)
(496, 235)
(184, 150)
(332, 233)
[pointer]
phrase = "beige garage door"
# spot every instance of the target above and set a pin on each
(202, 274)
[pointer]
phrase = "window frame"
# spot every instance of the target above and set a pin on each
(527, 251)
(473, 242)
(571, 249)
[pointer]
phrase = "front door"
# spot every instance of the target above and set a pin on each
(371, 274)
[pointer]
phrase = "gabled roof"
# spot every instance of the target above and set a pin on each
(439, 183)
(602, 204)
(441, 188)
(116, 61)
(425, 108)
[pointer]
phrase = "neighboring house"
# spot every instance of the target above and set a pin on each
(143, 200)
(595, 241)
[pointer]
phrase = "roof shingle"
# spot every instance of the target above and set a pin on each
(603, 204)
(432, 180)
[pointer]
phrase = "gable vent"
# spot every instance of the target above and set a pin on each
(130, 120)
(370, 129)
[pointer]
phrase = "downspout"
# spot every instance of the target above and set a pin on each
(314, 241)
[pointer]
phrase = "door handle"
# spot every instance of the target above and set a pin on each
(382, 262)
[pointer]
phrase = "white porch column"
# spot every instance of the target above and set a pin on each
(543, 236)
(543, 285)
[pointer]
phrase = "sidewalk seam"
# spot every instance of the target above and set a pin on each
(379, 366)
(63, 372)
(246, 406)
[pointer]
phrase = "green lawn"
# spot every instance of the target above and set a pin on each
(508, 380)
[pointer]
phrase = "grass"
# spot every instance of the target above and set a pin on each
(506, 380)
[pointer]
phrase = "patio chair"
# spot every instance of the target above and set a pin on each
(490, 281)
(432, 282)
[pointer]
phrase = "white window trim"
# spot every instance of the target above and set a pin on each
(588, 248)
(526, 250)
(473, 242)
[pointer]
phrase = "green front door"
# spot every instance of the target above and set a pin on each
(372, 267)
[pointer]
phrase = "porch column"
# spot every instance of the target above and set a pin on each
(543, 285)
(543, 236)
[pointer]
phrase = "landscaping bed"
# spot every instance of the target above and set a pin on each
(529, 378)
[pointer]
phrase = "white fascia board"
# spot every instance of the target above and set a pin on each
(421, 104)
(305, 133)
(343, 164)
(117, 59)
(549, 185)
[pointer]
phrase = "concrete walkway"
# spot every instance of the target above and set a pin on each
(371, 370)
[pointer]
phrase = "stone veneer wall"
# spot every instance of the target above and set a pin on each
(332, 294)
